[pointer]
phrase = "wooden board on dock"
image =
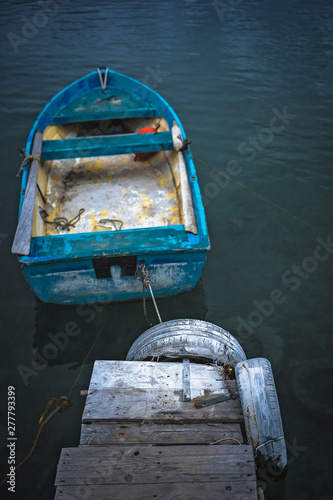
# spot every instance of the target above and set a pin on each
(222, 490)
(140, 440)
(139, 466)
(110, 433)
(137, 390)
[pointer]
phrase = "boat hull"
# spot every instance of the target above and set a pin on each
(88, 262)
(75, 282)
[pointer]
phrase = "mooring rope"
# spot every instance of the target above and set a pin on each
(26, 159)
(262, 198)
(58, 405)
(103, 78)
(142, 273)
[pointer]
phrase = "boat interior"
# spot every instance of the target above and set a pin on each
(110, 192)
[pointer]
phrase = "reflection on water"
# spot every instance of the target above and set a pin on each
(227, 75)
(63, 334)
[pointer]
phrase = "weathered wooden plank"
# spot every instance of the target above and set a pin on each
(112, 433)
(22, 239)
(135, 390)
(187, 202)
(154, 464)
(222, 490)
(108, 114)
(84, 147)
(186, 195)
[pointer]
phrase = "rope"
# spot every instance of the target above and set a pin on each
(27, 159)
(271, 203)
(58, 405)
(156, 308)
(142, 273)
(226, 439)
(144, 306)
(113, 222)
(101, 79)
(61, 222)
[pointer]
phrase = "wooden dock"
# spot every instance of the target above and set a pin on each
(140, 440)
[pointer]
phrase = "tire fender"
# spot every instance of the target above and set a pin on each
(262, 417)
(187, 338)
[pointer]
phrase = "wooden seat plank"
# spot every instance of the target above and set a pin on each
(84, 147)
(136, 390)
(222, 490)
(155, 464)
(112, 433)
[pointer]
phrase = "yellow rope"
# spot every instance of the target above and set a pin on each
(271, 203)
(61, 404)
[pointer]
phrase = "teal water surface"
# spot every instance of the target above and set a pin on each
(252, 83)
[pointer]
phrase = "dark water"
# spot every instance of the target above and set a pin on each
(227, 71)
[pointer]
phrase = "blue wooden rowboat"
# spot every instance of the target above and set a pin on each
(109, 182)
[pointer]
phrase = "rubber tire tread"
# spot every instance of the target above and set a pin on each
(187, 338)
(262, 418)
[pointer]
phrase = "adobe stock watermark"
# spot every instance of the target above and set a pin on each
(57, 343)
(293, 278)
(229, 6)
(249, 148)
(30, 27)
(153, 78)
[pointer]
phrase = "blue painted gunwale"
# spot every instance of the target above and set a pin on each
(65, 249)
(114, 243)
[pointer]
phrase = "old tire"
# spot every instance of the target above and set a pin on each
(187, 338)
(262, 418)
